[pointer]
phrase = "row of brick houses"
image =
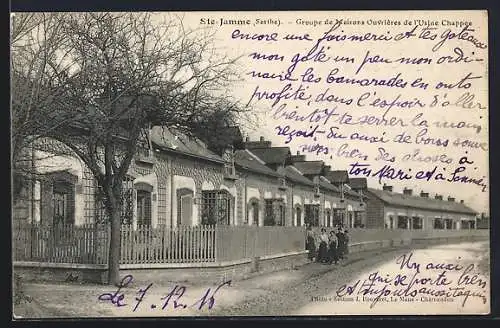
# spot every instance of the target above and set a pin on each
(392, 210)
(177, 180)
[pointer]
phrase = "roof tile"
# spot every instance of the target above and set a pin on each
(177, 141)
(272, 155)
(249, 161)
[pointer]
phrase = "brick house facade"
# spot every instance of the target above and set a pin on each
(391, 210)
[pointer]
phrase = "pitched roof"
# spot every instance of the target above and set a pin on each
(169, 139)
(401, 200)
(338, 176)
(290, 172)
(324, 183)
(310, 167)
(245, 159)
(358, 183)
(272, 155)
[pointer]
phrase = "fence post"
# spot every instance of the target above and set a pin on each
(216, 238)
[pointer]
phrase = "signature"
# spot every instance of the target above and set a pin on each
(172, 300)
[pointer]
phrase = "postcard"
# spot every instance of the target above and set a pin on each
(278, 163)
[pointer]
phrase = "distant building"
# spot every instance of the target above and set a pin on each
(312, 197)
(483, 221)
(327, 196)
(392, 210)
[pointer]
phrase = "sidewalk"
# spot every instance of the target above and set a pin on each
(70, 300)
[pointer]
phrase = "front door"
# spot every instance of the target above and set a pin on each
(255, 209)
(60, 204)
(186, 210)
(63, 203)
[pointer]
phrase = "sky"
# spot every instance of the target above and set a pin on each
(461, 57)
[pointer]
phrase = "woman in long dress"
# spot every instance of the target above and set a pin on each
(340, 243)
(310, 244)
(323, 247)
(332, 248)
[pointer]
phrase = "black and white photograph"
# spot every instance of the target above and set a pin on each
(274, 163)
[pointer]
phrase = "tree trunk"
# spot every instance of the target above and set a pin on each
(114, 246)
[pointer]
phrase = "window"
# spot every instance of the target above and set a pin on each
(252, 216)
(417, 223)
(216, 207)
(311, 215)
(274, 212)
(402, 222)
(143, 208)
(338, 217)
(448, 224)
(94, 204)
(464, 224)
(438, 223)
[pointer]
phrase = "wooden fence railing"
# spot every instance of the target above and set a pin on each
(89, 244)
(161, 245)
(245, 242)
(86, 244)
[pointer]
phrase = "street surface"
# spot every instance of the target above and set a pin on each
(313, 289)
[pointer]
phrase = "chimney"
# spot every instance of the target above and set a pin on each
(451, 199)
(387, 188)
(424, 194)
(438, 197)
(247, 139)
(298, 158)
(298, 153)
(262, 143)
(407, 191)
(461, 201)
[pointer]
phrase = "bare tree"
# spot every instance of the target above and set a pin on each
(34, 42)
(116, 75)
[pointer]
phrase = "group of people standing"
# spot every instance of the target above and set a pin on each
(332, 246)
